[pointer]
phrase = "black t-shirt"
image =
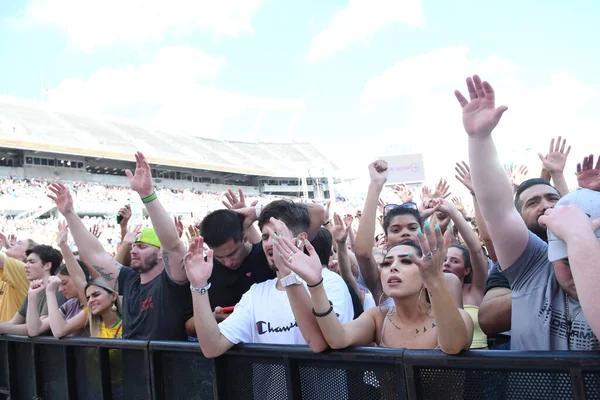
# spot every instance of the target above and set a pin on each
(496, 279)
(356, 304)
(156, 310)
(227, 286)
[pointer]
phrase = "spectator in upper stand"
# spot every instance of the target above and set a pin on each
(13, 280)
(546, 307)
(274, 311)
(156, 300)
(42, 263)
(237, 264)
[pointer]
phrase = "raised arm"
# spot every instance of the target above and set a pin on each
(455, 327)
(236, 203)
(478, 259)
(198, 270)
(492, 187)
(340, 235)
(59, 326)
(172, 246)
(555, 161)
(359, 332)
(73, 267)
(571, 225)
(378, 172)
(89, 247)
(124, 251)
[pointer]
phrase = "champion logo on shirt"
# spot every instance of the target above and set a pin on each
(263, 327)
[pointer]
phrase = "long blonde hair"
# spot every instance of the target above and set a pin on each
(95, 321)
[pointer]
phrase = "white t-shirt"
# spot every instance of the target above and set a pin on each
(264, 314)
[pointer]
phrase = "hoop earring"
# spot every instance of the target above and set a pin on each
(419, 301)
(114, 308)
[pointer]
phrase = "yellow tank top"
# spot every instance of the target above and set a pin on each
(479, 338)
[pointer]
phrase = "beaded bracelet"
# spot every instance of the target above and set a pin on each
(321, 315)
(150, 198)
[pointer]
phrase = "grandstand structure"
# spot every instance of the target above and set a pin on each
(39, 142)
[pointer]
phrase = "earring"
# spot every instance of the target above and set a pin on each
(114, 308)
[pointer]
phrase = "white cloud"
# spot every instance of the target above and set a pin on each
(360, 20)
(416, 96)
(90, 24)
(171, 90)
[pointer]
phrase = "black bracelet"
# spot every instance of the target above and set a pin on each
(321, 315)
(316, 284)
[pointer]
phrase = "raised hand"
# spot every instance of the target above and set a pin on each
(308, 267)
(426, 194)
(281, 229)
(125, 213)
(132, 233)
(348, 219)
(141, 181)
(378, 171)
(198, 269)
(339, 232)
(434, 246)
(556, 159)
(35, 288)
(53, 284)
(463, 175)
(178, 225)
(404, 193)
(62, 197)
(568, 222)
(517, 174)
(235, 203)
(63, 233)
(441, 190)
(4, 241)
(192, 233)
(380, 206)
(96, 231)
(429, 207)
(457, 201)
(588, 176)
(480, 115)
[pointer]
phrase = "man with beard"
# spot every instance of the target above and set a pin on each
(532, 198)
(547, 313)
(156, 297)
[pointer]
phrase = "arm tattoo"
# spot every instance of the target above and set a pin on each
(165, 256)
(107, 276)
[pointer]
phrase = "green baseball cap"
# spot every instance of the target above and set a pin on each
(148, 236)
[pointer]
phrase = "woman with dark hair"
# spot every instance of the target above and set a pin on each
(424, 315)
(469, 263)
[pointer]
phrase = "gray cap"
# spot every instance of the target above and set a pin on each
(589, 202)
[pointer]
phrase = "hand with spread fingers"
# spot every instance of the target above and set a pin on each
(480, 114)
(441, 190)
(234, 202)
(96, 231)
(63, 233)
(308, 267)
(178, 225)
(340, 231)
(463, 175)
(588, 175)
(434, 246)
(404, 193)
(62, 197)
(192, 233)
(197, 268)
(132, 233)
(141, 180)
(556, 159)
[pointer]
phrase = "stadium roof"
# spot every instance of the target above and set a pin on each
(36, 127)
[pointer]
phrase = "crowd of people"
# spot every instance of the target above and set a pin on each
(432, 273)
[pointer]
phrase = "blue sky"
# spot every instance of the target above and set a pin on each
(358, 78)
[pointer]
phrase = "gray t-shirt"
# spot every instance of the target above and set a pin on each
(539, 320)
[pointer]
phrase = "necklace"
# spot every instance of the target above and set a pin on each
(569, 321)
(390, 319)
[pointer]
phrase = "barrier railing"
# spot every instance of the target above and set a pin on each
(78, 368)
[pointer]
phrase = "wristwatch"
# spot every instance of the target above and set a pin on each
(291, 279)
(202, 290)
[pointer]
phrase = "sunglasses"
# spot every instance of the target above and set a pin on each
(389, 207)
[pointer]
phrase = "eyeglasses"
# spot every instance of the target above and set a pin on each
(410, 205)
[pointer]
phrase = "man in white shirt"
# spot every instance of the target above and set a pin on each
(275, 311)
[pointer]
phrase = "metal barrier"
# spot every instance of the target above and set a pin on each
(78, 368)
